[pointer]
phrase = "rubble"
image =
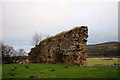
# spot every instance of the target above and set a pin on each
(65, 47)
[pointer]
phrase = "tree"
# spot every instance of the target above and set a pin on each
(36, 39)
(0, 53)
(21, 52)
(21, 56)
(7, 53)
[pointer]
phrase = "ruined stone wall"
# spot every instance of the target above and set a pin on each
(65, 47)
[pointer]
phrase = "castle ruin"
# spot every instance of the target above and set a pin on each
(65, 47)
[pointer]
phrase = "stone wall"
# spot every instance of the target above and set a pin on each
(65, 47)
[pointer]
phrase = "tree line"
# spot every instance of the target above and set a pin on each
(8, 55)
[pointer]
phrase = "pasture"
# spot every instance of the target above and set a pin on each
(0, 71)
(102, 60)
(57, 71)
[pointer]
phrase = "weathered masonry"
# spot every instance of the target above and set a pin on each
(65, 47)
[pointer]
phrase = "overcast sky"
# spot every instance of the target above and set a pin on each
(20, 19)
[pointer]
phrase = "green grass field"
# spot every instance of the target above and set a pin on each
(93, 61)
(57, 71)
(0, 71)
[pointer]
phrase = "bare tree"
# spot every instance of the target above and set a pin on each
(21, 52)
(36, 39)
(21, 56)
(7, 53)
(0, 52)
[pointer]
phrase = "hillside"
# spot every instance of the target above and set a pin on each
(108, 43)
(108, 49)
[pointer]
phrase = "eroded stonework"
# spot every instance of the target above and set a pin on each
(65, 47)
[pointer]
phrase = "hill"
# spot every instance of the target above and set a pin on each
(108, 49)
(108, 43)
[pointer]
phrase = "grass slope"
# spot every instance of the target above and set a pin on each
(57, 71)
